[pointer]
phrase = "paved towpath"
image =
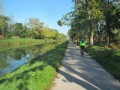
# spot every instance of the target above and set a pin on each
(79, 73)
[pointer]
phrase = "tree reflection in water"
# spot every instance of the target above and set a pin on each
(13, 58)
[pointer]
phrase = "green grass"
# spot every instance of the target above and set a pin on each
(108, 58)
(21, 42)
(37, 74)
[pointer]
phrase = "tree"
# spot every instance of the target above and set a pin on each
(19, 30)
(34, 22)
(111, 17)
(85, 15)
(4, 20)
(35, 27)
(93, 14)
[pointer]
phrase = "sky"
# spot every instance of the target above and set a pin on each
(47, 11)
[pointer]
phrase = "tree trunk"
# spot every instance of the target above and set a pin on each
(91, 32)
(90, 24)
(108, 40)
(108, 29)
(78, 40)
(91, 38)
(99, 36)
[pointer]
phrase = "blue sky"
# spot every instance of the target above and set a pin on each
(48, 11)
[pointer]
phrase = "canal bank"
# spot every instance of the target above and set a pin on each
(38, 73)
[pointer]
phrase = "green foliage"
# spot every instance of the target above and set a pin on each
(83, 18)
(37, 74)
(59, 23)
(90, 17)
(19, 30)
(111, 17)
(16, 42)
(4, 24)
(34, 28)
(116, 37)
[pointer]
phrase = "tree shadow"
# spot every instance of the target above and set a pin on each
(49, 58)
(84, 84)
(94, 77)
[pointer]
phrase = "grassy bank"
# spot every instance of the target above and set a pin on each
(37, 74)
(18, 42)
(108, 58)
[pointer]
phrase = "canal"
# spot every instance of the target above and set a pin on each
(11, 59)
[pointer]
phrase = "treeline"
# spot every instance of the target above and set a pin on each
(94, 20)
(34, 28)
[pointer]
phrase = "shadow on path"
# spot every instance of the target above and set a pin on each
(84, 72)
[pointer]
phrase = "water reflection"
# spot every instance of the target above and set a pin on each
(13, 58)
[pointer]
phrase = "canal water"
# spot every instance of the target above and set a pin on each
(13, 58)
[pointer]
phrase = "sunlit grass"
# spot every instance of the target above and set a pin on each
(38, 74)
(21, 42)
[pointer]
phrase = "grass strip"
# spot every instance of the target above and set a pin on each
(21, 42)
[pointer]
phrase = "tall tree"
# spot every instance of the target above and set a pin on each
(111, 16)
(35, 27)
(85, 15)
(18, 29)
(4, 24)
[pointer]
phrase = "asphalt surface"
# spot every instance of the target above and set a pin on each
(83, 73)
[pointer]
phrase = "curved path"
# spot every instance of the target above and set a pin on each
(79, 73)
